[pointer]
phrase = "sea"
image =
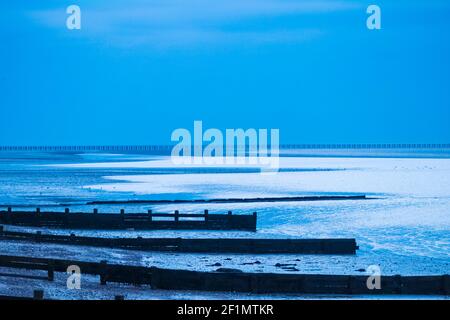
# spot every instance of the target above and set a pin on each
(403, 226)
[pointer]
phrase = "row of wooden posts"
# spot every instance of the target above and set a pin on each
(38, 294)
(225, 280)
(208, 245)
(236, 281)
(150, 214)
(139, 221)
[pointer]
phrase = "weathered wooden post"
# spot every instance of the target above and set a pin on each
(122, 216)
(95, 211)
(66, 216)
(51, 272)
(38, 294)
(398, 284)
(149, 214)
(37, 217)
(139, 242)
(7, 216)
(103, 272)
(206, 215)
(177, 216)
(446, 284)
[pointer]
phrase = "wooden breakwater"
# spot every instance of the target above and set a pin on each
(233, 200)
(37, 295)
(220, 245)
(137, 221)
(235, 281)
(297, 283)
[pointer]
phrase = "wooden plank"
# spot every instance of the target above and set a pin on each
(139, 221)
(217, 245)
(287, 283)
(168, 279)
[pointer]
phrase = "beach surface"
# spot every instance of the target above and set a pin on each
(404, 228)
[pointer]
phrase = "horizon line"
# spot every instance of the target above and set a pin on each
(281, 146)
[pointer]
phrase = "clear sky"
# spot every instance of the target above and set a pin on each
(139, 69)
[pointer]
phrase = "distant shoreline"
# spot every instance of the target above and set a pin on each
(141, 148)
(438, 151)
(236, 200)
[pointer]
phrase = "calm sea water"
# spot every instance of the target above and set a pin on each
(405, 229)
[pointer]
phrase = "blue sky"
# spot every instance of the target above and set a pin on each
(138, 69)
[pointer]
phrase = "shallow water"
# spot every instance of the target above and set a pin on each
(405, 229)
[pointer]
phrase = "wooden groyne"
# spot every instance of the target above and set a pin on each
(255, 246)
(233, 200)
(37, 295)
(137, 221)
(291, 283)
(236, 281)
